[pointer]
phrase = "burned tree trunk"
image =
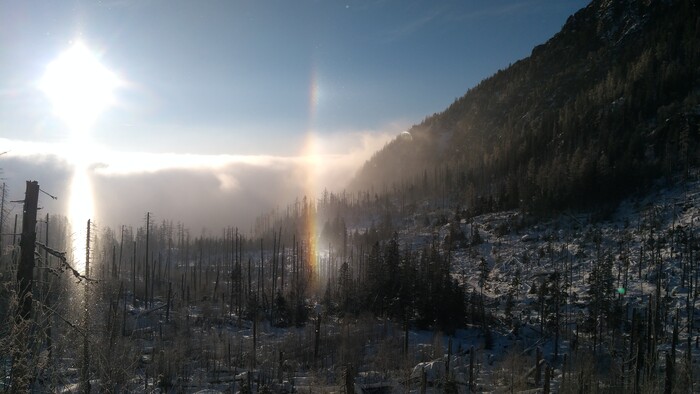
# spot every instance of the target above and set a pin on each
(85, 368)
(25, 270)
(21, 377)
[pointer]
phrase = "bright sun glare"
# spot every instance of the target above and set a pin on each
(79, 87)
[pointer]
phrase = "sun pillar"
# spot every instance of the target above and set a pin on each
(79, 88)
(309, 211)
(311, 164)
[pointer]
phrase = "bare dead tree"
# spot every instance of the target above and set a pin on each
(21, 377)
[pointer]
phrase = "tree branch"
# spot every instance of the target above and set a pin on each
(64, 262)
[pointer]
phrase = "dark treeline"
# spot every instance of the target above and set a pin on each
(274, 275)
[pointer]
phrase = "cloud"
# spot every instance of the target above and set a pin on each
(227, 182)
(344, 152)
(451, 14)
(52, 174)
(199, 190)
(496, 10)
(413, 26)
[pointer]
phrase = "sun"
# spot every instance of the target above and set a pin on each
(79, 87)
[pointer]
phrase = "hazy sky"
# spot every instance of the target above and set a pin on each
(248, 81)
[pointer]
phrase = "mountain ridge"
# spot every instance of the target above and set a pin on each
(608, 104)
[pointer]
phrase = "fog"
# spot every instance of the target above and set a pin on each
(201, 191)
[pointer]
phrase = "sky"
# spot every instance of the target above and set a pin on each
(225, 109)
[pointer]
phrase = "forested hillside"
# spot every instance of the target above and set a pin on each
(598, 111)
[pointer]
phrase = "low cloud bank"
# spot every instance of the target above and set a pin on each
(201, 191)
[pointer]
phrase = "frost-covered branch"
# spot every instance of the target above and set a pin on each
(64, 262)
(71, 324)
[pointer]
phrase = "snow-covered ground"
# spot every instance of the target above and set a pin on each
(649, 240)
